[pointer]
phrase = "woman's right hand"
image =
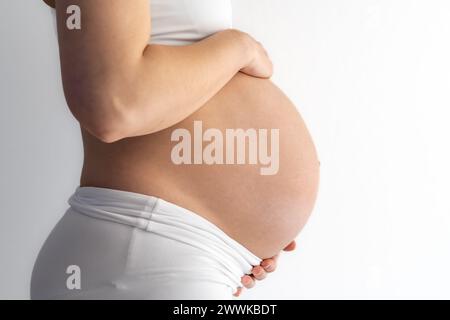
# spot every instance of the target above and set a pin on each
(260, 65)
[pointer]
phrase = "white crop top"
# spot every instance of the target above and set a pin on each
(181, 22)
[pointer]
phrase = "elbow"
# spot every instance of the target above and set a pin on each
(101, 114)
(110, 125)
(107, 132)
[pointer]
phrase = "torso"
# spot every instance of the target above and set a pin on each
(263, 212)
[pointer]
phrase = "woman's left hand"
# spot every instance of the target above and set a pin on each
(260, 272)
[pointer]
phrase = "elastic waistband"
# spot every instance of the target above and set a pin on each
(157, 215)
(124, 207)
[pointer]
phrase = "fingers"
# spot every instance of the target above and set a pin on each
(291, 246)
(270, 264)
(248, 281)
(259, 273)
(238, 292)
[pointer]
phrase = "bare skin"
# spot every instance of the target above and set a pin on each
(121, 125)
(260, 272)
(120, 86)
(265, 213)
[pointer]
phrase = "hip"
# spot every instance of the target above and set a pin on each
(125, 245)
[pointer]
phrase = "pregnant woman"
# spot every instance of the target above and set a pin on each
(144, 78)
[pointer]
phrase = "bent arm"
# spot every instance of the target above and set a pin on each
(117, 85)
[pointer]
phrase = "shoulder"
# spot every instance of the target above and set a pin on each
(51, 3)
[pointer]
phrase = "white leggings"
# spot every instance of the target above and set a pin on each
(113, 244)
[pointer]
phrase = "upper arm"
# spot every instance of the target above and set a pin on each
(112, 37)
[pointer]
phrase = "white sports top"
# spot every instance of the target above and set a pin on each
(181, 22)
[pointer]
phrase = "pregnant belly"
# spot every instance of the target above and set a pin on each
(264, 209)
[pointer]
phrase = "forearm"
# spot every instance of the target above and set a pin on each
(156, 89)
(170, 83)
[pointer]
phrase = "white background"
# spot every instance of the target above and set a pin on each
(372, 80)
